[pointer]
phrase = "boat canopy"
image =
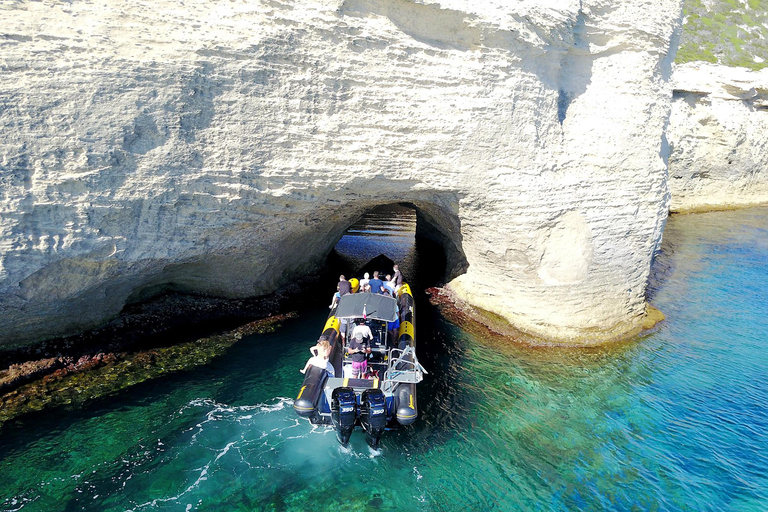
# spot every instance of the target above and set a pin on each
(369, 305)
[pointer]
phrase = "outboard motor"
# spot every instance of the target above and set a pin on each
(373, 415)
(343, 413)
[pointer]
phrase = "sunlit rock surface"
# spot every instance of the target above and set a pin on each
(224, 147)
(718, 131)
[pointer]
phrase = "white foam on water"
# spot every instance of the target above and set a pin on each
(239, 428)
(206, 443)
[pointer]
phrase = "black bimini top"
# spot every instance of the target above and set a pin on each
(370, 305)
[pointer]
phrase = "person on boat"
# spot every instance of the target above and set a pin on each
(397, 278)
(376, 284)
(321, 342)
(344, 286)
(358, 351)
(335, 300)
(363, 329)
(393, 327)
(321, 359)
(389, 286)
(364, 282)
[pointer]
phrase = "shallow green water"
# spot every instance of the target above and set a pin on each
(675, 421)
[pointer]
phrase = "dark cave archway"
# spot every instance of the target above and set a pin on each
(427, 250)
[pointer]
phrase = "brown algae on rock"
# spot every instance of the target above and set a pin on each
(495, 327)
(105, 374)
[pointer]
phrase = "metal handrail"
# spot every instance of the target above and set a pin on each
(412, 373)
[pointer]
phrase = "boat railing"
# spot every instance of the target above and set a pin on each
(403, 367)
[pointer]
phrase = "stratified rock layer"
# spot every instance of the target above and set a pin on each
(223, 148)
(718, 131)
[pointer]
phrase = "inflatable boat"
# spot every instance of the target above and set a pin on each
(385, 396)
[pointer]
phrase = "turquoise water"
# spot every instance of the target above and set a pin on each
(675, 421)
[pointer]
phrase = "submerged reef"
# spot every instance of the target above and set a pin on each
(103, 374)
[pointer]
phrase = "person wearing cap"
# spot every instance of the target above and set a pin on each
(358, 351)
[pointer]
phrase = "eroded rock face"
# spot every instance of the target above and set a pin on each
(224, 148)
(717, 130)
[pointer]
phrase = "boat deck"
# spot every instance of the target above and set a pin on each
(357, 384)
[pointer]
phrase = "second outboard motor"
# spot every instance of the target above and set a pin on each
(373, 415)
(343, 413)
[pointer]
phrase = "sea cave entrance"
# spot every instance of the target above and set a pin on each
(404, 234)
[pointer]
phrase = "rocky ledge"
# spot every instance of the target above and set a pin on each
(32, 386)
(717, 132)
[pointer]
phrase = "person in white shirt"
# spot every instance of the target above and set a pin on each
(362, 329)
(321, 359)
(364, 282)
(389, 284)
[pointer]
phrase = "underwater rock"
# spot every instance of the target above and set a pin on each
(102, 374)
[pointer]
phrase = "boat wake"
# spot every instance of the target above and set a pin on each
(198, 452)
(261, 446)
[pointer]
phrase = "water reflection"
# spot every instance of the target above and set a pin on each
(389, 230)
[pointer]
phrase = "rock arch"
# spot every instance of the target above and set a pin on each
(228, 162)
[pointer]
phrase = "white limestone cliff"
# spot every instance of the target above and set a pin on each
(224, 147)
(718, 132)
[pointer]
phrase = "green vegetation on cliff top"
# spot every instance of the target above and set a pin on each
(729, 32)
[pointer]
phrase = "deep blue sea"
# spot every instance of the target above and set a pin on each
(676, 420)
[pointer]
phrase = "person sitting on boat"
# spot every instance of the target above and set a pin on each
(364, 282)
(321, 359)
(358, 350)
(321, 342)
(335, 300)
(376, 284)
(363, 329)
